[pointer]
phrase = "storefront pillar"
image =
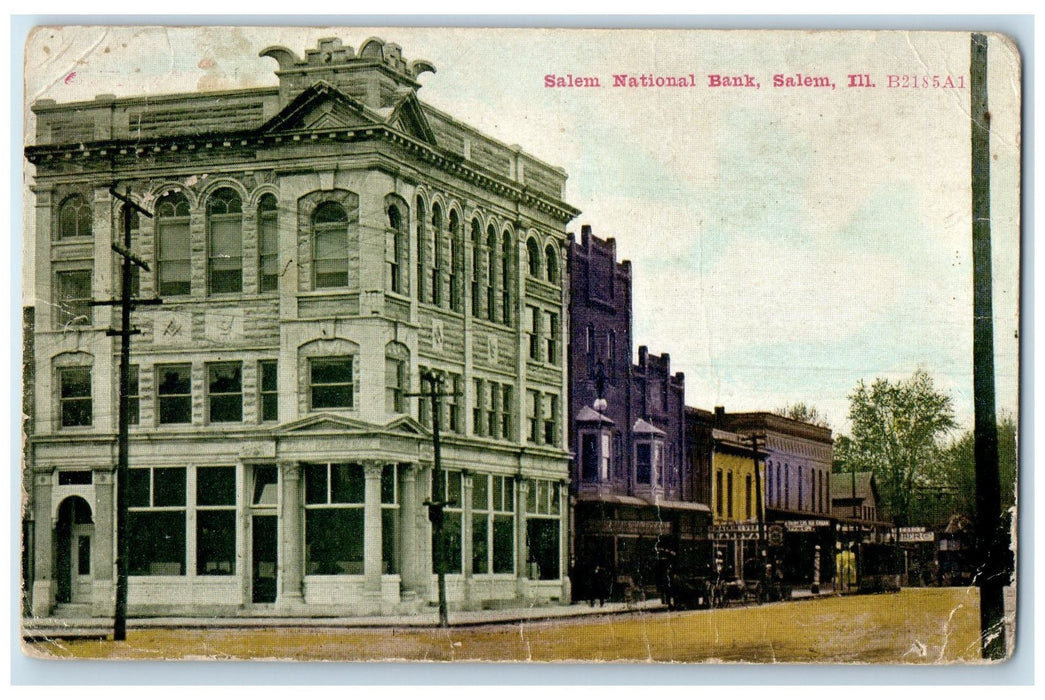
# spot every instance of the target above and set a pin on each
(522, 552)
(43, 584)
(102, 560)
(564, 539)
(292, 539)
(466, 537)
(372, 535)
(409, 506)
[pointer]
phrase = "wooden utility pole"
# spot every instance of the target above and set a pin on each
(990, 539)
(754, 439)
(438, 501)
(126, 304)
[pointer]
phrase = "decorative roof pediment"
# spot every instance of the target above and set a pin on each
(324, 422)
(406, 424)
(408, 117)
(321, 107)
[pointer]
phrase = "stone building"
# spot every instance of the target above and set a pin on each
(630, 479)
(315, 245)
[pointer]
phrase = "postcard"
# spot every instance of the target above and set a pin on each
(460, 344)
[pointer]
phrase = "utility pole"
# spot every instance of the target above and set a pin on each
(126, 304)
(438, 501)
(990, 539)
(754, 439)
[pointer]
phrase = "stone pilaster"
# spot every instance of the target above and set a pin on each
(409, 507)
(103, 599)
(372, 536)
(466, 537)
(291, 556)
(522, 564)
(43, 584)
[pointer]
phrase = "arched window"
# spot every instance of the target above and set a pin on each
(533, 254)
(552, 262)
(437, 255)
(491, 273)
(74, 218)
(268, 244)
(173, 268)
(420, 206)
(224, 242)
(330, 246)
(396, 249)
(506, 279)
(476, 264)
(456, 264)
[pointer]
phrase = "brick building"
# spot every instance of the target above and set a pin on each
(630, 481)
(315, 244)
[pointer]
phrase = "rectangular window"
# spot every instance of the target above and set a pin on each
(535, 333)
(215, 521)
(453, 405)
(269, 399)
(268, 251)
(174, 393)
(156, 522)
(389, 519)
(452, 523)
(542, 529)
(718, 492)
(330, 383)
(643, 463)
(225, 392)
(424, 404)
(334, 525)
(477, 409)
(551, 419)
(174, 269)
(551, 337)
(589, 456)
(74, 297)
(503, 493)
(493, 407)
(331, 256)
(506, 411)
(395, 385)
(533, 405)
(729, 495)
(225, 257)
(747, 496)
(74, 396)
(133, 395)
(480, 524)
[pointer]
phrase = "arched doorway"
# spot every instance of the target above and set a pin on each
(74, 531)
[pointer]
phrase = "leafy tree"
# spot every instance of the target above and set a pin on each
(801, 411)
(897, 434)
(959, 462)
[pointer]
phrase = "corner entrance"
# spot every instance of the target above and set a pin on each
(74, 532)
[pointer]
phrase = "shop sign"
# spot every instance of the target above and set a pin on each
(805, 525)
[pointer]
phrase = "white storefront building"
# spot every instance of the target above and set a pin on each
(315, 245)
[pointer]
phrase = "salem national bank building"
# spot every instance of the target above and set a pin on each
(316, 246)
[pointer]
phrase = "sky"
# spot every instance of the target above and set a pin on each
(786, 243)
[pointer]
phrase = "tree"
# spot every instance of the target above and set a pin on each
(897, 434)
(959, 463)
(800, 411)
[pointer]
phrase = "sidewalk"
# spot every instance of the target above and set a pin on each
(52, 627)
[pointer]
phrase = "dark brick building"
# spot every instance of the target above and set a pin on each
(631, 487)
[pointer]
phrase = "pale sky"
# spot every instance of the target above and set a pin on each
(785, 243)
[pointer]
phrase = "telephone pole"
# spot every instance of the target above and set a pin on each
(754, 439)
(126, 304)
(438, 501)
(991, 541)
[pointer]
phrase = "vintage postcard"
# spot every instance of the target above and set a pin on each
(458, 344)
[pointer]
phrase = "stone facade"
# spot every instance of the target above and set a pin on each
(316, 245)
